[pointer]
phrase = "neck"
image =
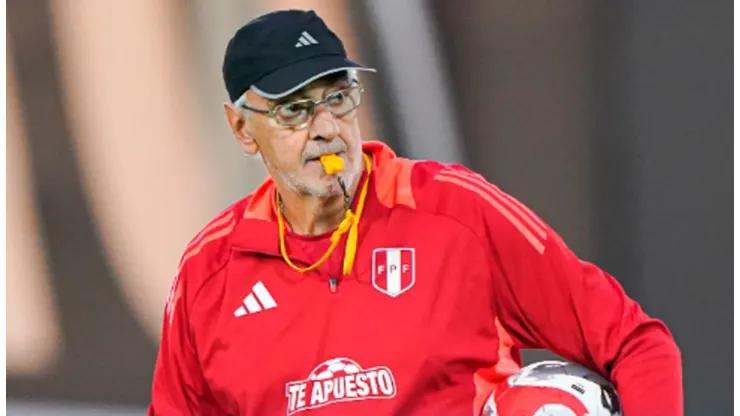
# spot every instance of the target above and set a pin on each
(311, 215)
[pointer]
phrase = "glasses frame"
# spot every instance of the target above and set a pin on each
(272, 112)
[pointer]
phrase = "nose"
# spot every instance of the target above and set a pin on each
(324, 125)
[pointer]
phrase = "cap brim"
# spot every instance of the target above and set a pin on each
(291, 78)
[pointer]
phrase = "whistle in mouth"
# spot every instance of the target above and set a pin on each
(332, 163)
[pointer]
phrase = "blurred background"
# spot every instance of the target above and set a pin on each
(612, 120)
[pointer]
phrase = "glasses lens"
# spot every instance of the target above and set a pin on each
(343, 101)
(294, 113)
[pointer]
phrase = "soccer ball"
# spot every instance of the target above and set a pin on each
(334, 367)
(554, 388)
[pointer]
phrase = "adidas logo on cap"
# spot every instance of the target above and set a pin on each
(306, 40)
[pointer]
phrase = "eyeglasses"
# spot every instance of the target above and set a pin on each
(300, 112)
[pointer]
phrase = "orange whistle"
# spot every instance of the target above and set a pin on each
(332, 163)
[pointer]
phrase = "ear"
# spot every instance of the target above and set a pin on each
(239, 127)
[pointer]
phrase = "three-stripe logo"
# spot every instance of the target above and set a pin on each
(305, 40)
(257, 300)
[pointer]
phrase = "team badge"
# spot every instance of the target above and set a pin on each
(394, 270)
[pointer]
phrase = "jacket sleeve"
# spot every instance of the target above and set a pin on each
(179, 387)
(548, 298)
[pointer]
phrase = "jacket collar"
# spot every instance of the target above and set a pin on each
(257, 231)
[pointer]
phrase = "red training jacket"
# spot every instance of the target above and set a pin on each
(452, 277)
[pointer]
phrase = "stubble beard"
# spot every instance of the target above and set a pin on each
(323, 187)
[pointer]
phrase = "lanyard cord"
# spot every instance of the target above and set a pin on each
(349, 223)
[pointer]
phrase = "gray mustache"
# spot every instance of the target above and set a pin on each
(333, 147)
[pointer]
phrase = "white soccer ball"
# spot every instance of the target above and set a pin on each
(554, 388)
(333, 368)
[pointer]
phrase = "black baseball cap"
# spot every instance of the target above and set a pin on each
(280, 52)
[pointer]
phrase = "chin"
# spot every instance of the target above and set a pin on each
(332, 189)
(322, 188)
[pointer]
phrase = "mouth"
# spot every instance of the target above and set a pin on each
(318, 157)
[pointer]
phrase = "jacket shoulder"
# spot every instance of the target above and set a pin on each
(209, 249)
(204, 255)
(412, 183)
(445, 189)
(457, 191)
(454, 191)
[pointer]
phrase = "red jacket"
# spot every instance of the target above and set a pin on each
(451, 278)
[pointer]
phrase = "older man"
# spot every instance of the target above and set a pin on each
(357, 282)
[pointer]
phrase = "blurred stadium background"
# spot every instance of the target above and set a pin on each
(612, 120)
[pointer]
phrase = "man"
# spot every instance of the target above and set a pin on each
(356, 282)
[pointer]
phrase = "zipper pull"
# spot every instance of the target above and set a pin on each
(333, 284)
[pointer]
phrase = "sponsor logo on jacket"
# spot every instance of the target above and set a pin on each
(339, 380)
